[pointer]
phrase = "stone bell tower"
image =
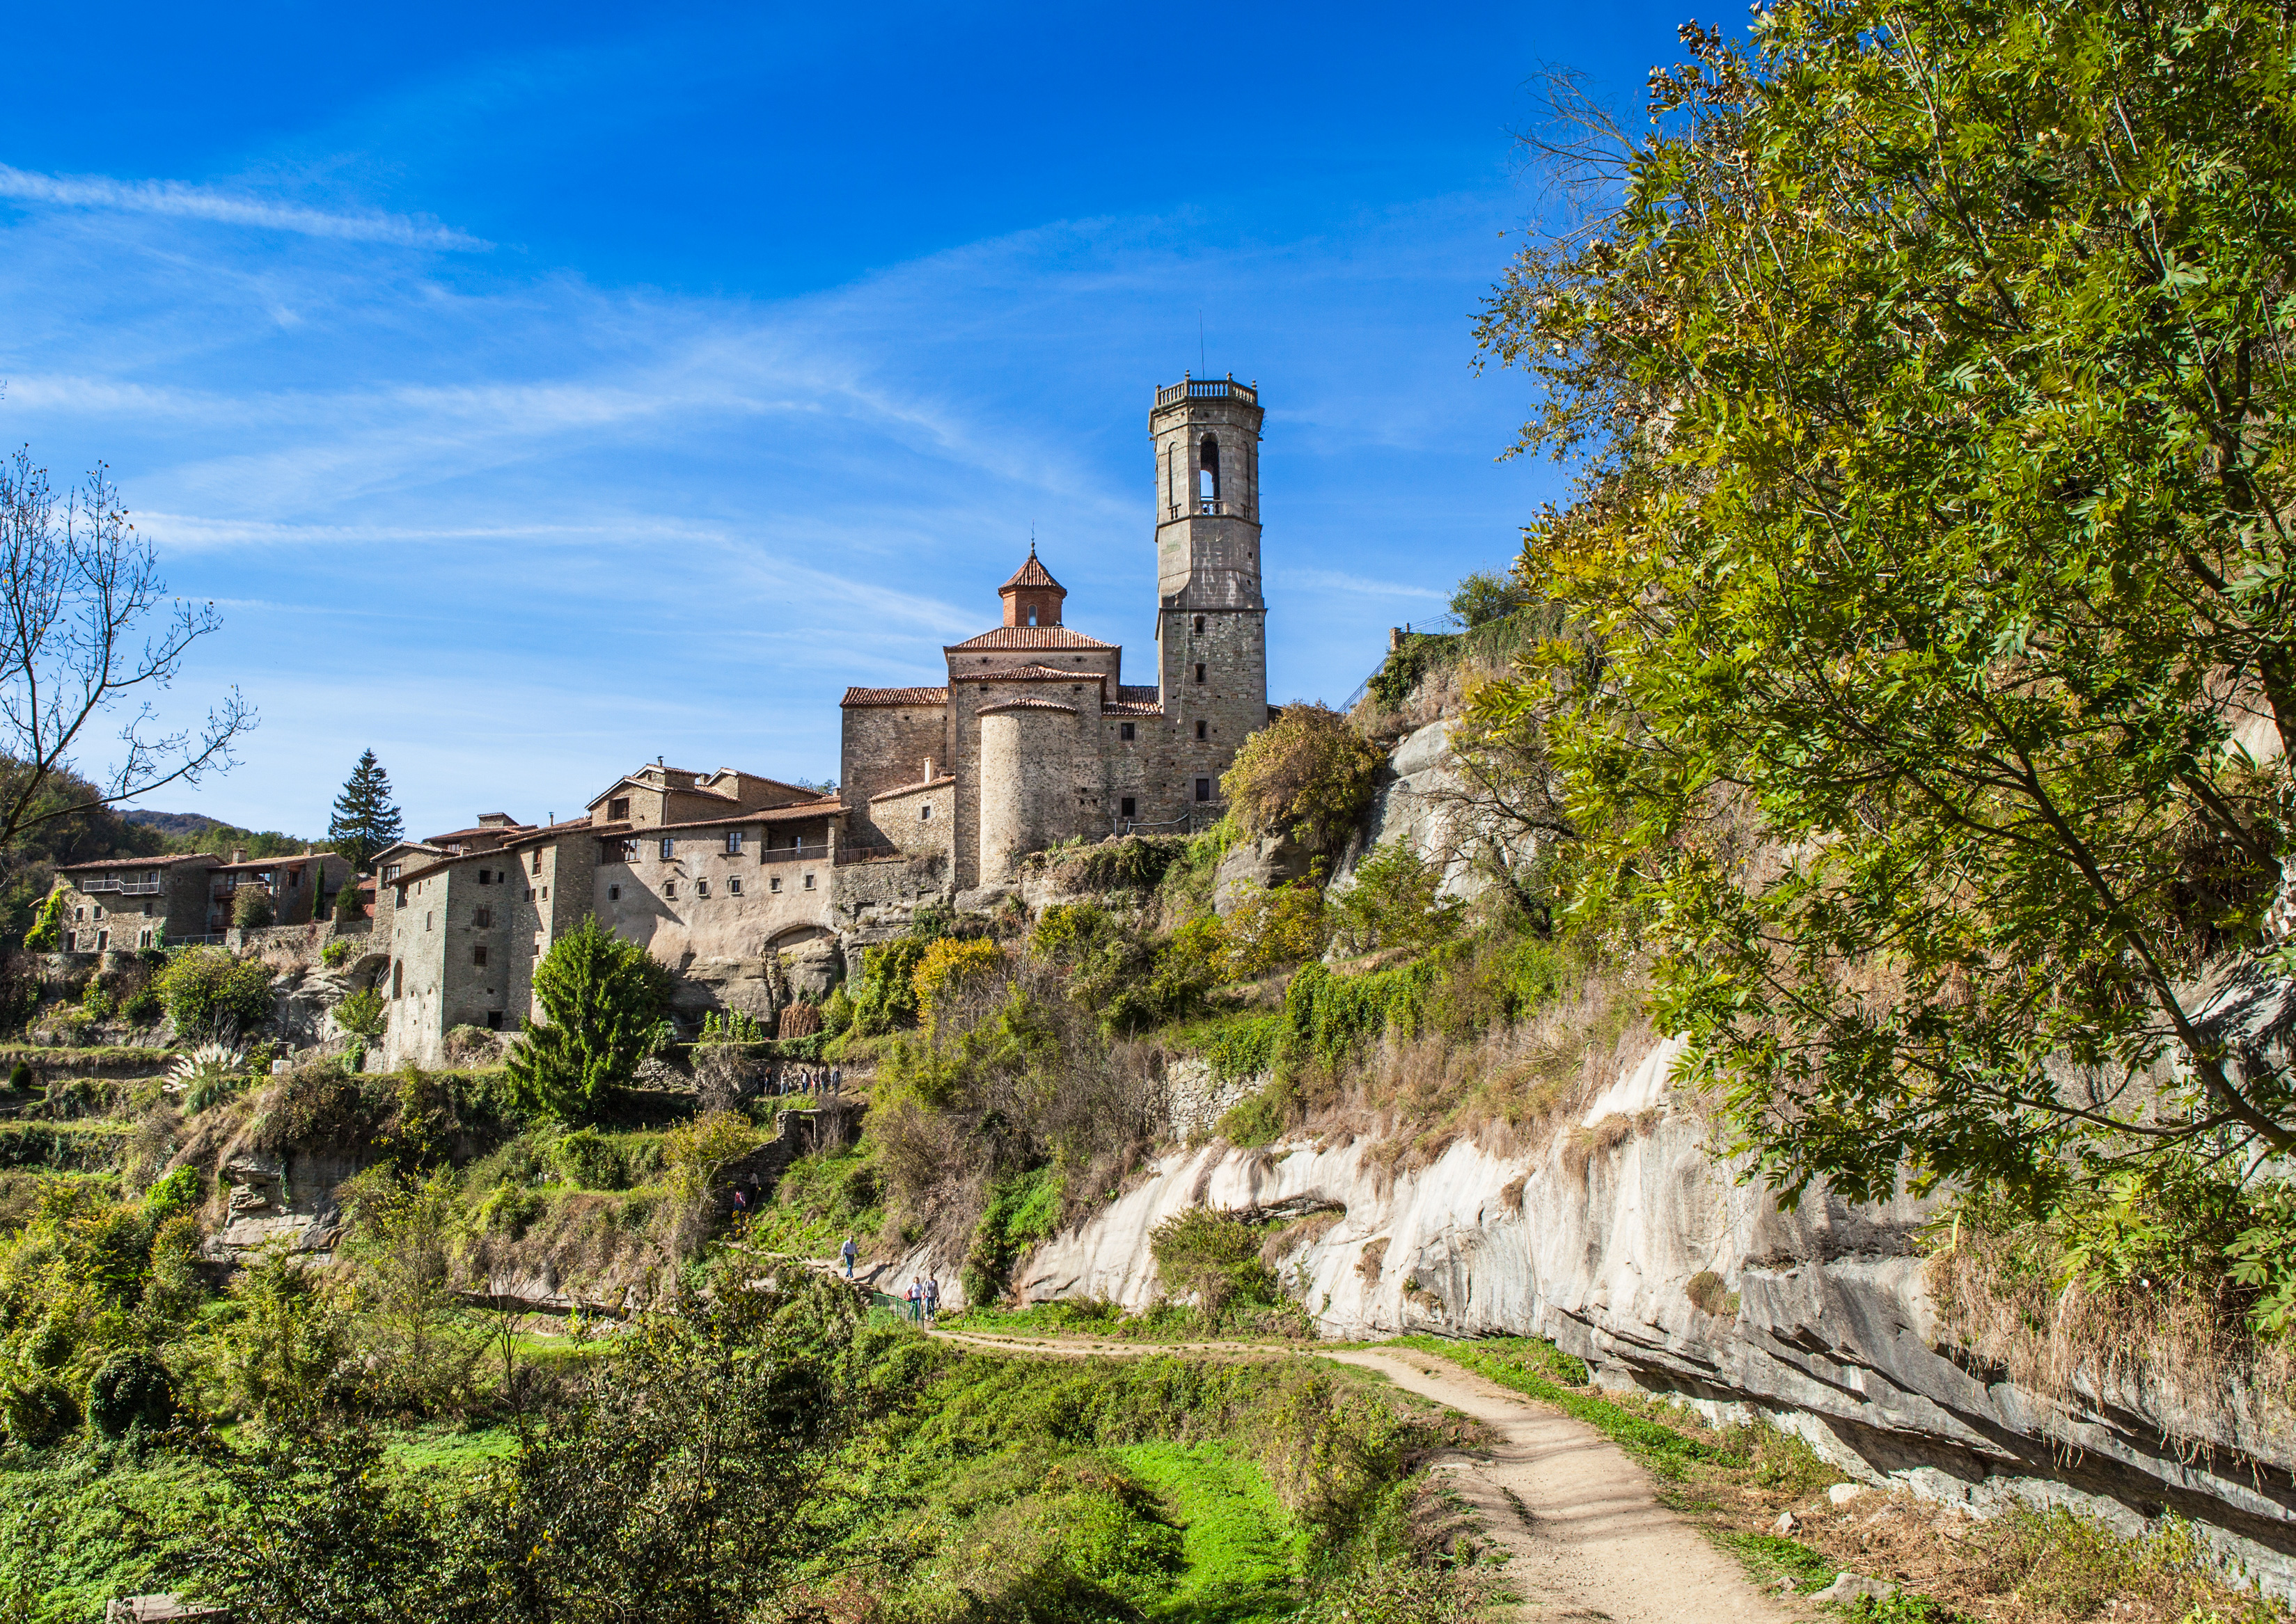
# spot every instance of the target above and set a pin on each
(1211, 622)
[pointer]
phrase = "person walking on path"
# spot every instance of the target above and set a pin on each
(848, 1251)
(932, 1296)
(916, 1301)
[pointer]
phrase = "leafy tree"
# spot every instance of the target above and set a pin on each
(1485, 597)
(886, 997)
(361, 1014)
(951, 965)
(365, 818)
(46, 934)
(603, 999)
(208, 991)
(130, 1387)
(1396, 901)
(1307, 775)
(346, 902)
(251, 908)
(1932, 367)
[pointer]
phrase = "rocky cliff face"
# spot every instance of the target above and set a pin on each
(1632, 1247)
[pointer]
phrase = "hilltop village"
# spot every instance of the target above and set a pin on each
(752, 889)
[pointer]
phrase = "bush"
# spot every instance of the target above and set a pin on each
(1213, 1256)
(144, 1006)
(36, 1409)
(1394, 903)
(46, 934)
(1307, 775)
(20, 1076)
(887, 995)
(604, 999)
(130, 1388)
(1267, 929)
(361, 1014)
(209, 992)
(588, 1159)
(335, 954)
(347, 905)
(251, 908)
(696, 1151)
(800, 1020)
(948, 966)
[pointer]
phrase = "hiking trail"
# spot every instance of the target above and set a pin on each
(1585, 1535)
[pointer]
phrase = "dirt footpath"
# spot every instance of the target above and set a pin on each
(1585, 1538)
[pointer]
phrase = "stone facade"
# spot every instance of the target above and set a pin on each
(120, 904)
(1035, 736)
(746, 886)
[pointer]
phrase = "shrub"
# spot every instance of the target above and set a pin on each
(603, 998)
(361, 1014)
(251, 908)
(335, 954)
(144, 1006)
(20, 1076)
(46, 934)
(1307, 773)
(837, 1014)
(96, 1002)
(696, 1151)
(1267, 929)
(36, 1409)
(587, 1157)
(130, 1388)
(887, 995)
(1394, 903)
(800, 1020)
(731, 1026)
(1213, 1256)
(948, 966)
(208, 991)
(347, 907)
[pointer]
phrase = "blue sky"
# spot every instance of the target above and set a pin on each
(539, 389)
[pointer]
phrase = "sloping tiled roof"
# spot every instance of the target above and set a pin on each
(802, 811)
(1027, 704)
(1032, 574)
(1139, 694)
(188, 856)
(911, 789)
(1028, 673)
(1027, 637)
(1132, 707)
(894, 696)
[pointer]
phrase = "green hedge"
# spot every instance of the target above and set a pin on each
(70, 1147)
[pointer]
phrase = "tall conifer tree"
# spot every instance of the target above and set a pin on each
(365, 818)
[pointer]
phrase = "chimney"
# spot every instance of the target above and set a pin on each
(239, 854)
(928, 778)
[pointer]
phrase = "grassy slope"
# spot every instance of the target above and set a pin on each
(1243, 1552)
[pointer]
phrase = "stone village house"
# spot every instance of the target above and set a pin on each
(121, 904)
(754, 891)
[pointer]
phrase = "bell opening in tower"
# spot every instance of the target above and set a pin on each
(1208, 471)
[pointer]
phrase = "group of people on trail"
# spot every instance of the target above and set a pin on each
(818, 1081)
(924, 1299)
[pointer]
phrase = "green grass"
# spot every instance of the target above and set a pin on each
(81, 1062)
(1770, 1557)
(432, 1449)
(1242, 1551)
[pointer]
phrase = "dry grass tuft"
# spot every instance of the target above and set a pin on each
(2168, 1354)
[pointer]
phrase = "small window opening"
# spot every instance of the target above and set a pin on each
(479, 955)
(1199, 626)
(702, 887)
(618, 810)
(774, 885)
(1032, 615)
(537, 862)
(670, 887)
(1208, 472)
(1203, 789)
(485, 877)
(398, 977)
(808, 882)
(614, 893)
(734, 885)
(924, 813)
(1124, 731)
(1199, 670)
(668, 850)
(1126, 806)
(1203, 730)
(494, 1021)
(482, 917)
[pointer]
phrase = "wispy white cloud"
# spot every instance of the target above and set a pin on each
(170, 197)
(1333, 580)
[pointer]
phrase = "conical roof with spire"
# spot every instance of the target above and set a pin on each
(1032, 598)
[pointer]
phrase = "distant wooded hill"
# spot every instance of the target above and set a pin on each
(197, 831)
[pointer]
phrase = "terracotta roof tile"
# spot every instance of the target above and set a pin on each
(1131, 708)
(1026, 704)
(1031, 673)
(187, 856)
(894, 696)
(1139, 694)
(1027, 637)
(1032, 574)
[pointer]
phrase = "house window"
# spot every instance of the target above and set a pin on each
(774, 885)
(924, 813)
(398, 977)
(618, 810)
(808, 882)
(1199, 670)
(391, 872)
(530, 893)
(629, 851)
(482, 917)
(426, 920)
(1124, 731)
(1203, 789)
(1199, 626)
(144, 939)
(1126, 806)
(294, 879)
(485, 877)
(670, 887)
(545, 893)
(479, 955)
(669, 848)
(1208, 470)
(79, 913)
(702, 887)
(537, 855)
(98, 912)
(733, 842)
(614, 893)
(1203, 730)
(402, 896)
(104, 937)
(732, 885)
